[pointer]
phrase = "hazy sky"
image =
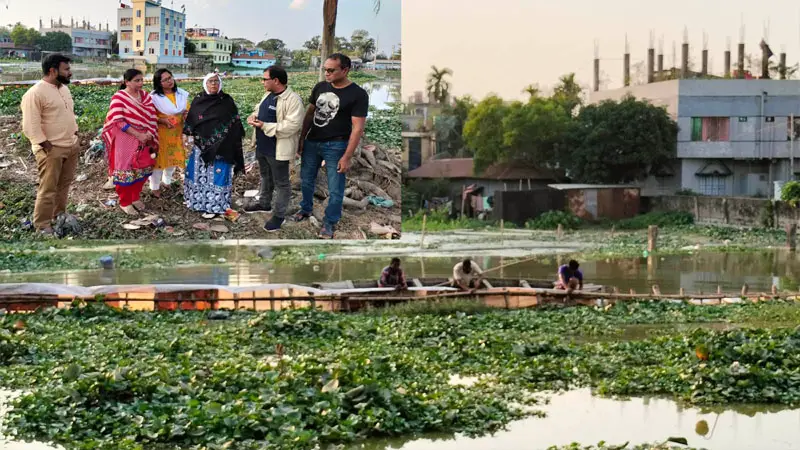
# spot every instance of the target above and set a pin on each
(502, 46)
(293, 21)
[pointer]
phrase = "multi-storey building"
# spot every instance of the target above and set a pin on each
(735, 135)
(151, 31)
(209, 42)
(86, 40)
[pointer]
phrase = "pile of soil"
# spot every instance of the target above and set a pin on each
(375, 175)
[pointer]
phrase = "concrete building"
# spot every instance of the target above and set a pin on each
(734, 134)
(150, 31)
(87, 41)
(211, 43)
(254, 59)
(418, 134)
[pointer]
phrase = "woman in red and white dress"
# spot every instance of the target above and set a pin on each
(130, 134)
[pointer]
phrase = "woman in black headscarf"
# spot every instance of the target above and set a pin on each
(215, 134)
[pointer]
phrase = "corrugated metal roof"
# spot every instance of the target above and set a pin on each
(463, 168)
(565, 187)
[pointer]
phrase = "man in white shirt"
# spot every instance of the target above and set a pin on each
(467, 275)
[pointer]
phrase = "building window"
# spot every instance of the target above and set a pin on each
(167, 21)
(180, 52)
(138, 28)
(152, 37)
(126, 21)
(166, 52)
(152, 51)
(710, 129)
(126, 36)
(202, 45)
(138, 13)
(789, 128)
(173, 52)
(166, 37)
(712, 185)
(126, 50)
(138, 43)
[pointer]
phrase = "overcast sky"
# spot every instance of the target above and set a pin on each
(293, 21)
(502, 46)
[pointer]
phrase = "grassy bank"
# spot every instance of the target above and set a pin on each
(99, 377)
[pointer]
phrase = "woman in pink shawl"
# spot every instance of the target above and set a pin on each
(131, 137)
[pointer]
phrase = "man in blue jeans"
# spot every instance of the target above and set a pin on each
(332, 129)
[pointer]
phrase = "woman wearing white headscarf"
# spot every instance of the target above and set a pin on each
(214, 126)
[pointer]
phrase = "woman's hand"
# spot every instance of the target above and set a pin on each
(167, 122)
(141, 137)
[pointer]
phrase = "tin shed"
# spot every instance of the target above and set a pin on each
(600, 201)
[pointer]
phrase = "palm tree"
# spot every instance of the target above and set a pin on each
(532, 90)
(438, 87)
(329, 9)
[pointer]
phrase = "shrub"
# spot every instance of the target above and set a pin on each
(790, 193)
(660, 218)
(551, 219)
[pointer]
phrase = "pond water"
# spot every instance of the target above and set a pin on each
(700, 272)
(578, 416)
(381, 92)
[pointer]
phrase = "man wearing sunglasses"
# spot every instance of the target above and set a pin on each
(332, 129)
(277, 119)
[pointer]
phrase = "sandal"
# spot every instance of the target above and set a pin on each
(208, 216)
(156, 193)
(139, 205)
(129, 210)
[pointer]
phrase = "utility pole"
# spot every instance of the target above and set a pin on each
(791, 149)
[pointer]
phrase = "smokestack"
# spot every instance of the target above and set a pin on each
(741, 61)
(660, 66)
(728, 59)
(626, 64)
(766, 54)
(596, 74)
(596, 66)
(651, 52)
(782, 66)
(685, 54)
(704, 70)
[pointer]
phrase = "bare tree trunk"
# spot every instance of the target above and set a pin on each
(328, 32)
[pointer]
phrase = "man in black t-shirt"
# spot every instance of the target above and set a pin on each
(332, 130)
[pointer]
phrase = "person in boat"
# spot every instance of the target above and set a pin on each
(570, 277)
(393, 276)
(467, 275)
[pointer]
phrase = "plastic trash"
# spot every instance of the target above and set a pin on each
(107, 262)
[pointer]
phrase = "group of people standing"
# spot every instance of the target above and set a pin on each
(148, 135)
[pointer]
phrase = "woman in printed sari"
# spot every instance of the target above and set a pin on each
(171, 103)
(131, 138)
(215, 130)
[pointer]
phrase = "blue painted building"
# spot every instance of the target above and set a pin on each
(734, 135)
(253, 59)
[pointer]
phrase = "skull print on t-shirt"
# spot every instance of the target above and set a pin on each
(327, 107)
(334, 110)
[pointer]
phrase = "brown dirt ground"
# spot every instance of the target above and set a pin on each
(87, 200)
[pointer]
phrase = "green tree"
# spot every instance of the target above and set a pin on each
(532, 90)
(189, 47)
(483, 132)
(362, 44)
(275, 46)
(301, 58)
(568, 93)
(449, 128)
(115, 44)
(534, 131)
(25, 37)
(56, 41)
(438, 88)
(312, 44)
(618, 142)
(397, 54)
(240, 44)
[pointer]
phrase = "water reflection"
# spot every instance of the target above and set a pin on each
(701, 272)
(577, 416)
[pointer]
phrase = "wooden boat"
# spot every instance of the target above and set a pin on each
(351, 295)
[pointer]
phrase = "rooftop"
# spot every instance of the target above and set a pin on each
(463, 168)
(567, 186)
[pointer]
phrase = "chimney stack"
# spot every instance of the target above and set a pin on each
(782, 66)
(728, 60)
(685, 54)
(704, 63)
(741, 61)
(660, 63)
(626, 64)
(651, 53)
(596, 67)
